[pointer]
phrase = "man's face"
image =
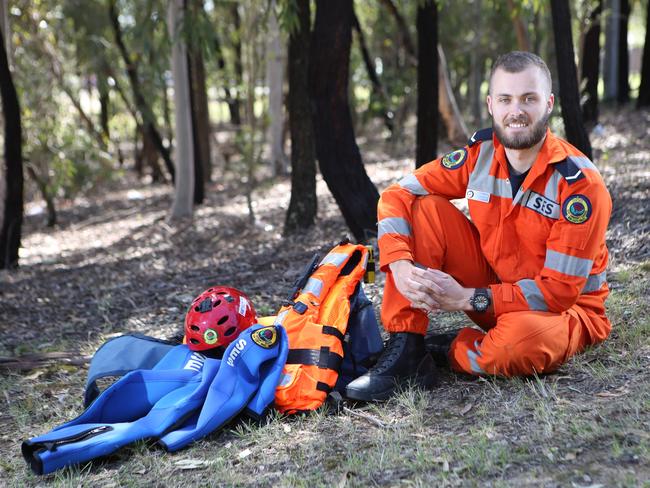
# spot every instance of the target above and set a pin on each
(520, 105)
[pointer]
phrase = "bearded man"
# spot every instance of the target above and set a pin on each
(528, 269)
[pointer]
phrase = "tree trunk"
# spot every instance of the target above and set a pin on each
(5, 27)
(402, 27)
(377, 87)
(184, 183)
(41, 183)
(644, 88)
(146, 113)
(610, 67)
(456, 130)
(523, 41)
(569, 95)
(303, 202)
(337, 151)
(234, 103)
(275, 80)
(427, 111)
(591, 67)
(199, 112)
(11, 177)
(623, 69)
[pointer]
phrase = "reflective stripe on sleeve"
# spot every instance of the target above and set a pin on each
(393, 225)
(568, 265)
(412, 184)
(533, 295)
(595, 282)
(313, 286)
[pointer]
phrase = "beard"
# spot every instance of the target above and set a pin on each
(522, 141)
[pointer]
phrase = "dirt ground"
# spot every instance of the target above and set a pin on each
(113, 265)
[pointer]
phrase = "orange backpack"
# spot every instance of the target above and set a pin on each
(316, 322)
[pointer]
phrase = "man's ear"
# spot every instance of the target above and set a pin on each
(550, 103)
(488, 100)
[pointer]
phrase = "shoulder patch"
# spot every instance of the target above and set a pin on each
(454, 159)
(265, 337)
(480, 135)
(570, 170)
(577, 209)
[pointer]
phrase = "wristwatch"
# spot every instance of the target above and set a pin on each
(480, 301)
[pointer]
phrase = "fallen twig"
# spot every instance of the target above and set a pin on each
(31, 361)
(365, 416)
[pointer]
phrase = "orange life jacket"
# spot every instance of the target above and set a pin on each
(316, 323)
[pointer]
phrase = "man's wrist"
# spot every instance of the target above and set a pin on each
(466, 302)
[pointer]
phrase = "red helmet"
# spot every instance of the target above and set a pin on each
(216, 317)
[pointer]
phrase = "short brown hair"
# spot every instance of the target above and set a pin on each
(517, 61)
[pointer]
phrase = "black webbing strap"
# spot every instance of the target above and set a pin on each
(329, 330)
(322, 358)
(320, 386)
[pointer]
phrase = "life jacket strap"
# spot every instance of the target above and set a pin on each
(322, 358)
(329, 330)
(320, 386)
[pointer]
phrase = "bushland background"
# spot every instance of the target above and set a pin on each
(153, 148)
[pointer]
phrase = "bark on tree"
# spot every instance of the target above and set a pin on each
(456, 130)
(590, 67)
(623, 71)
(11, 176)
(275, 61)
(337, 151)
(644, 88)
(5, 26)
(574, 127)
(184, 183)
(303, 202)
(146, 113)
(199, 112)
(427, 111)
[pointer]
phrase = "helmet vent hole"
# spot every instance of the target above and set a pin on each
(195, 327)
(222, 293)
(218, 302)
(222, 320)
(194, 341)
(231, 331)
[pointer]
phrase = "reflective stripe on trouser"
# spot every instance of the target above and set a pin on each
(517, 343)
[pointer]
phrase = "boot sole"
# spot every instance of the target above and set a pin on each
(425, 382)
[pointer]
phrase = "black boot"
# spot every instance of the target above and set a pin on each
(438, 346)
(404, 359)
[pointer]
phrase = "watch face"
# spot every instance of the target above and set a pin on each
(480, 302)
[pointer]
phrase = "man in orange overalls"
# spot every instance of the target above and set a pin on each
(528, 269)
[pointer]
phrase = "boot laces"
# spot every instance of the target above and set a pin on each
(393, 350)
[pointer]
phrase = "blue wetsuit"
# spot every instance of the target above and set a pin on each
(150, 403)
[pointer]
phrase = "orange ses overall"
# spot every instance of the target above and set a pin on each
(316, 323)
(541, 252)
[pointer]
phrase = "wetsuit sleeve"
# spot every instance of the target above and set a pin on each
(576, 255)
(446, 177)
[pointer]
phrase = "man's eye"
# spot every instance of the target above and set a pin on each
(530, 99)
(504, 100)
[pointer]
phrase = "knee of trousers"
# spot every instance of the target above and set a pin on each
(526, 343)
(522, 343)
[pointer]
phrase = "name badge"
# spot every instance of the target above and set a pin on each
(479, 196)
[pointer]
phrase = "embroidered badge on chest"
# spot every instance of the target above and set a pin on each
(454, 159)
(577, 209)
(265, 337)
